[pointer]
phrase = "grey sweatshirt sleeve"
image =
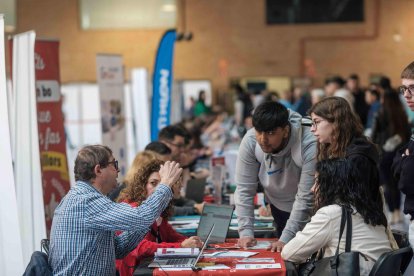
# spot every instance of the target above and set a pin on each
(247, 169)
(303, 205)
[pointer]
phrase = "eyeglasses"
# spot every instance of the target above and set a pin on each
(315, 123)
(403, 88)
(115, 162)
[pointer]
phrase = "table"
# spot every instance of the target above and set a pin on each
(231, 262)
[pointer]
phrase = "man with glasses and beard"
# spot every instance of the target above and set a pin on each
(83, 240)
(280, 153)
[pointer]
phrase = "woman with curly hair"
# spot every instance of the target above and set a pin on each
(137, 163)
(336, 185)
(161, 235)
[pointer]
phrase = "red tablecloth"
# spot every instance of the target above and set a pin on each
(231, 262)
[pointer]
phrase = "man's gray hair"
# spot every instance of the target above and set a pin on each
(86, 160)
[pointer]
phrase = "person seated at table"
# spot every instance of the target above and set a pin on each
(161, 149)
(177, 139)
(139, 159)
(335, 186)
(161, 234)
(82, 239)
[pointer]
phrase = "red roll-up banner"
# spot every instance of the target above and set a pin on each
(52, 140)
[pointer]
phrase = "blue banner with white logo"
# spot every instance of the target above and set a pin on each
(162, 84)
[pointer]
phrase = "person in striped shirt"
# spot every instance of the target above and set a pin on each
(83, 240)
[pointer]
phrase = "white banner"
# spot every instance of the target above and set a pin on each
(11, 259)
(27, 158)
(140, 107)
(110, 78)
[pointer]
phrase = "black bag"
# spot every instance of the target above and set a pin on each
(344, 264)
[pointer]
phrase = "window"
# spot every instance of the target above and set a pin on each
(127, 14)
(314, 11)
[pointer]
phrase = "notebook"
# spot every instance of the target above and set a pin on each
(182, 262)
(195, 189)
(218, 215)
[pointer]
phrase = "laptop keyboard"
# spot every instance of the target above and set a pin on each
(177, 261)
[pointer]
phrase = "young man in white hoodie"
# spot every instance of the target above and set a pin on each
(280, 153)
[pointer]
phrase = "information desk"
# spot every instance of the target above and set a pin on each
(230, 262)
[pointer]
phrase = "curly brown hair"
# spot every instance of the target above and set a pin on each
(346, 126)
(139, 161)
(135, 190)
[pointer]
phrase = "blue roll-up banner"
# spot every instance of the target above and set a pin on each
(162, 84)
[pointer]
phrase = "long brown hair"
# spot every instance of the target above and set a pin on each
(397, 118)
(135, 190)
(346, 126)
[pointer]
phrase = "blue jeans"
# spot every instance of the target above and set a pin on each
(280, 218)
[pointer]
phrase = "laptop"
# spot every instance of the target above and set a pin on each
(195, 189)
(182, 262)
(218, 215)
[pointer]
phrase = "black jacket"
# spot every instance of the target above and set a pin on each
(38, 265)
(403, 168)
(365, 157)
(361, 148)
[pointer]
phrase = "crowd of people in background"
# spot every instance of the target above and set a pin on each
(341, 139)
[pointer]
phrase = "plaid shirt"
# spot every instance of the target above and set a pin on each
(83, 240)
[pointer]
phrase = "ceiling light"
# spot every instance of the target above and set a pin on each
(168, 8)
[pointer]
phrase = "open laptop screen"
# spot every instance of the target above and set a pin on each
(220, 216)
(182, 262)
(195, 189)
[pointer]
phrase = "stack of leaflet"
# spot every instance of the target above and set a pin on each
(176, 253)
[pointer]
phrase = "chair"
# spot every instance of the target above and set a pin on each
(392, 263)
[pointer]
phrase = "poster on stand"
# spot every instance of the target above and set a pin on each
(52, 140)
(110, 77)
(140, 107)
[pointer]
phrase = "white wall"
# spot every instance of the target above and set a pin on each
(82, 120)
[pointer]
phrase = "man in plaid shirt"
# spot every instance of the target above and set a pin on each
(83, 240)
